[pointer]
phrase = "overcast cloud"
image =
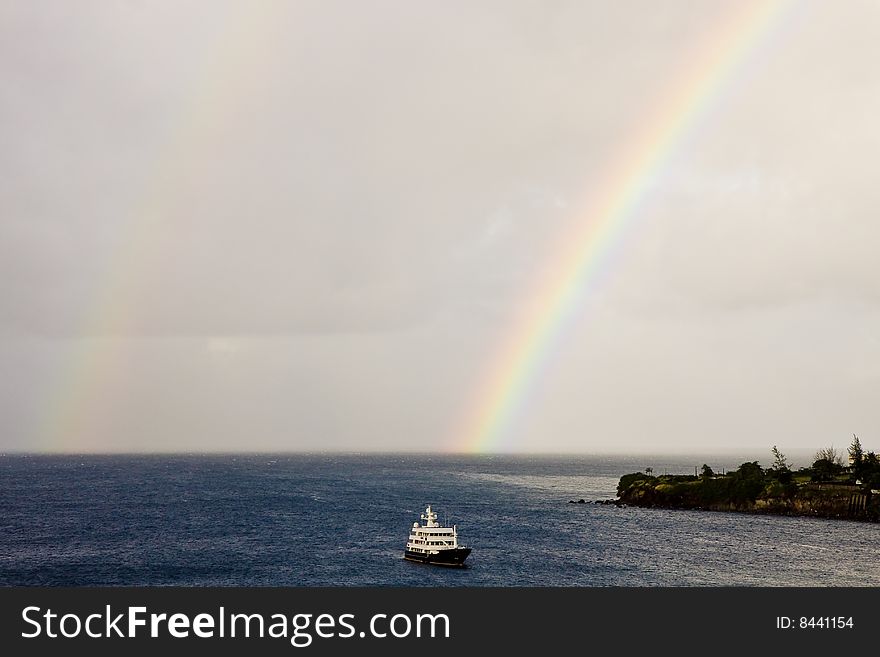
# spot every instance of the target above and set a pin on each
(309, 225)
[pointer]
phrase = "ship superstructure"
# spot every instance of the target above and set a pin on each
(431, 542)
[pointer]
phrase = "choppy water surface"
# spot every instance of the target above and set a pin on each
(287, 520)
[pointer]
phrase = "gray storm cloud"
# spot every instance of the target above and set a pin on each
(289, 225)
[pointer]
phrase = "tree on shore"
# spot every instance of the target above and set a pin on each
(829, 454)
(827, 464)
(780, 468)
(746, 482)
(856, 453)
(706, 472)
(779, 460)
(825, 470)
(871, 470)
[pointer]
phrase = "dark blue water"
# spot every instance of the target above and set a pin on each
(288, 520)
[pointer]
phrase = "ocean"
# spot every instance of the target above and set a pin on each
(343, 519)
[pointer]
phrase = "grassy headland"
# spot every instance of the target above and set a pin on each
(827, 488)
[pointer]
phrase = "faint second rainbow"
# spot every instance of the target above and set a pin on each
(91, 383)
(557, 297)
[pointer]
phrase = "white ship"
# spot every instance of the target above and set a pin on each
(433, 543)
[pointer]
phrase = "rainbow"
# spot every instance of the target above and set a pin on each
(557, 299)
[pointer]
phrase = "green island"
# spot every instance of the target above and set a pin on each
(829, 488)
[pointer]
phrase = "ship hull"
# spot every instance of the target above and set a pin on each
(454, 557)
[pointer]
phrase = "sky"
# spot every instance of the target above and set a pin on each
(313, 226)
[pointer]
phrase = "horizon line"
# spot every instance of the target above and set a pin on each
(232, 452)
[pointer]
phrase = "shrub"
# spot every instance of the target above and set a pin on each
(626, 481)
